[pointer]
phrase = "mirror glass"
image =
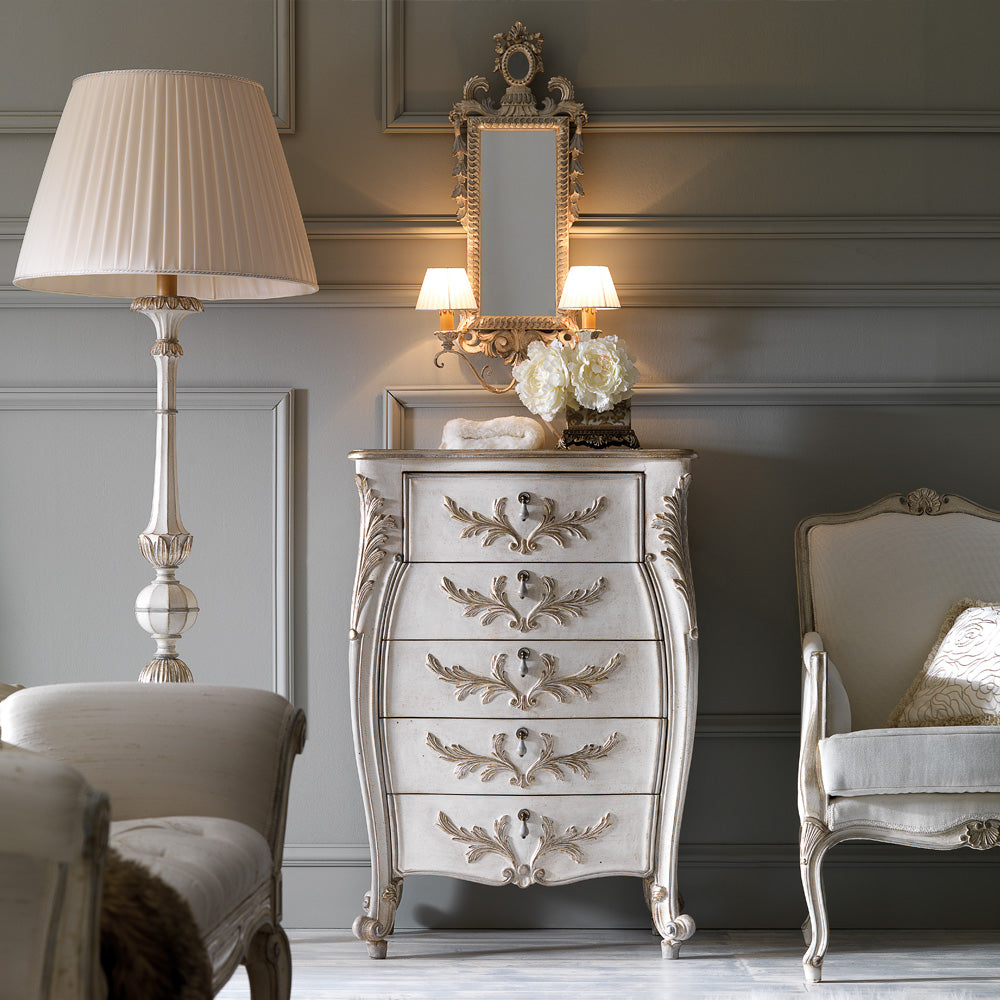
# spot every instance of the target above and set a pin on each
(517, 221)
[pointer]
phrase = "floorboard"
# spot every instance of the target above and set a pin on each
(626, 965)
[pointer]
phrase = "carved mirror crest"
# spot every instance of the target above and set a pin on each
(517, 188)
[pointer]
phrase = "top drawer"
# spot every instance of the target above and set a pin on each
(516, 517)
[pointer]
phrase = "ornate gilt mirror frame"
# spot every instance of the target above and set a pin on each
(475, 118)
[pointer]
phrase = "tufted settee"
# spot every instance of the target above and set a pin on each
(191, 781)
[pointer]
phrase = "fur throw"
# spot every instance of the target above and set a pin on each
(506, 433)
(150, 945)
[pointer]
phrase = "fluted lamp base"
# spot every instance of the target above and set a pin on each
(165, 608)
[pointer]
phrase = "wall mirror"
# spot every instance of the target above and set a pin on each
(517, 187)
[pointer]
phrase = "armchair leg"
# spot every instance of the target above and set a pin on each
(814, 841)
(269, 965)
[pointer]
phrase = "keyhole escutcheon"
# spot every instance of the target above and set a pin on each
(522, 583)
(524, 499)
(522, 735)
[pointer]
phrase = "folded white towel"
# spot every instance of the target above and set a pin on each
(504, 433)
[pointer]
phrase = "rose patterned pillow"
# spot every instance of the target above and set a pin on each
(959, 684)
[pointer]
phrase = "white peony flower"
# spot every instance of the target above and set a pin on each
(601, 372)
(543, 381)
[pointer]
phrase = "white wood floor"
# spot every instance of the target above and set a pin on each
(626, 965)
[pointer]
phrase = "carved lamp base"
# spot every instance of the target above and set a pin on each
(590, 429)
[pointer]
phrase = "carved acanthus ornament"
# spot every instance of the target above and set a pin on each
(981, 835)
(672, 527)
(499, 762)
(549, 683)
(374, 532)
(480, 843)
(557, 529)
(923, 501)
(811, 832)
(551, 607)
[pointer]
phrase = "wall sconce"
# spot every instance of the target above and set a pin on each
(446, 289)
(589, 289)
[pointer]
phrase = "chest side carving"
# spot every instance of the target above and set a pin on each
(375, 528)
(551, 606)
(556, 529)
(480, 843)
(499, 683)
(499, 762)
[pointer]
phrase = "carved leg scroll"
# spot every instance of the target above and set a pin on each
(814, 841)
(269, 965)
(673, 926)
(378, 920)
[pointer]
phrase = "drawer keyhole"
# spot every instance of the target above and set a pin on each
(522, 654)
(522, 583)
(524, 499)
(522, 747)
(524, 816)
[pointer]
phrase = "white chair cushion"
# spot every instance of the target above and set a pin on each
(213, 863)
(925, 812)
(902, 761)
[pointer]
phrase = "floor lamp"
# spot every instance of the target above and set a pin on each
(166, 188)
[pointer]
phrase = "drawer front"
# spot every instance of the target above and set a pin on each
(561, 601)
(559, 679)
(478, 837)
(509, 758)
(479, 517)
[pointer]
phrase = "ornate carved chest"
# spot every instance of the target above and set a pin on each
(524, 671)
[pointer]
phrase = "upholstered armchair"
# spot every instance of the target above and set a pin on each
(875, 586)
(195, 779)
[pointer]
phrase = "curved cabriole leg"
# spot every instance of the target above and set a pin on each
(379, 918)
(673, 926)
(814, 844)
(269, 965)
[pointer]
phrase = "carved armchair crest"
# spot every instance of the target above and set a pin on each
(874, 587)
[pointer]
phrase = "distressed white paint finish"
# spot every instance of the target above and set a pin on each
(629, 678)
(421, 776)
(622, 755)
(622, 848)
(601, 592)
(564, 517)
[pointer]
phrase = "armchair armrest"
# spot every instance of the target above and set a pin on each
(811, 793)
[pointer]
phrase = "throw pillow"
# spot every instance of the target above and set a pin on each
(959, 684)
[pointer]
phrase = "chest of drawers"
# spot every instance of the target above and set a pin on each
(523, 671)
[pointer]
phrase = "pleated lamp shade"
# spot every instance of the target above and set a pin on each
(446, 288)
(166, 172)
(589, 287)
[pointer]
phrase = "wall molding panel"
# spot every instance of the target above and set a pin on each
(279, 403)
(939, 258)
(396, 117)
(282, 82)
(399, 402)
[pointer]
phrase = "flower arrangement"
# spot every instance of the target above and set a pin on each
(596, 374)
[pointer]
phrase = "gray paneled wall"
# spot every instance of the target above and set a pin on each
(787, 193)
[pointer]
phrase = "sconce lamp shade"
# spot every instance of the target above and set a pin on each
(446, 289)
(166, 172)
(589, 288)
